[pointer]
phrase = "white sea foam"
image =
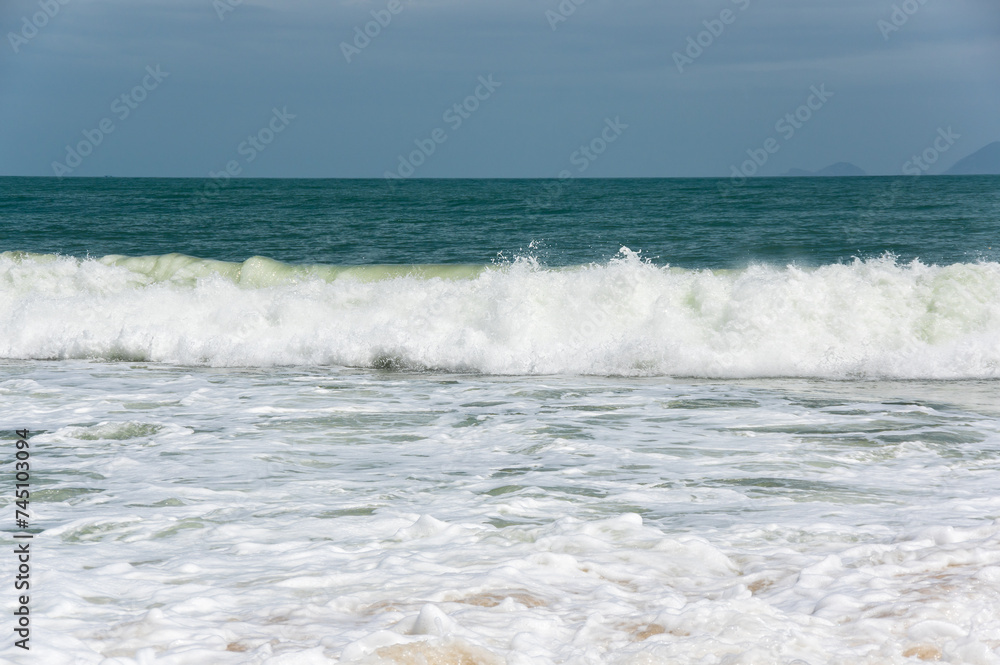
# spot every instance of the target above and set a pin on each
(201, 516)
(870, 318)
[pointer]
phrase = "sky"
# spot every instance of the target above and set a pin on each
(494, 88)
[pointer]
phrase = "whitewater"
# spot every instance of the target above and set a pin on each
(196, 515)
(874, 318)
(308, 422)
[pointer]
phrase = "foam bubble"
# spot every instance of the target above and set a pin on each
(867, 319)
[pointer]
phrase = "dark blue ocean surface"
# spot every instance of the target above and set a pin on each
(696, 223)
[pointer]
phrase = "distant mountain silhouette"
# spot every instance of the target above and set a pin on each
(985, 161)
(834, 170)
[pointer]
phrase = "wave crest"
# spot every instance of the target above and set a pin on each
(873, 318)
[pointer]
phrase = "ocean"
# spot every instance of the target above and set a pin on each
(477, 422)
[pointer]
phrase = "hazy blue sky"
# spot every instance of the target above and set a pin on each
(562, 84)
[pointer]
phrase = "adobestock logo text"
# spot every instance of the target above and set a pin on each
(31, 26)
(922, 163)
(249, 149)
(786, 126)
(714, 28)
(455, 116)
(381, 18)
(122, 106)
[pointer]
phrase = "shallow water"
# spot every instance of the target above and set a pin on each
(198, 515)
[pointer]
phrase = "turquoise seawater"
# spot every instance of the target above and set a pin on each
(686, 223)
(486, 422)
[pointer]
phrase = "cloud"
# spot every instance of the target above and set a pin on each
(608, 58)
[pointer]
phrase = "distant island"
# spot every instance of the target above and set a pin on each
(840, 169)
(985, 161)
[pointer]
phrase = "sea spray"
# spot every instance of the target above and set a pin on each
(871, 319)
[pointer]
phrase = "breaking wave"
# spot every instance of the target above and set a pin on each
(868, 319)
